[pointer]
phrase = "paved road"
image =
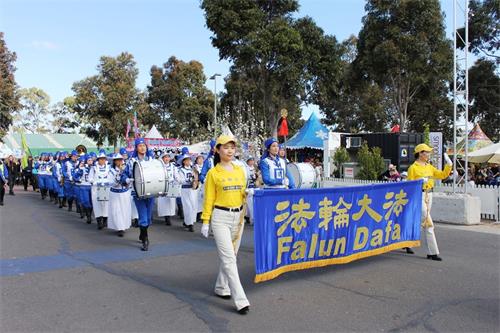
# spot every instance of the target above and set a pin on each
(59, 274)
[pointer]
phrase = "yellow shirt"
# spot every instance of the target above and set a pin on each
(418, 171)
(223, 188)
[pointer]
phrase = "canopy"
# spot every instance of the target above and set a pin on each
(476, 140)
(490, 154)
(199, 148)
(153, 133)
(311, 135)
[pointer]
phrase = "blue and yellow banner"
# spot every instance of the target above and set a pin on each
(299, 229)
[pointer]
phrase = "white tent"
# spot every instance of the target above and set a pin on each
(489, 154)
(199, 148)
(153, 133)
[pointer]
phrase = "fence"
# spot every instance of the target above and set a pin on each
(488, 195)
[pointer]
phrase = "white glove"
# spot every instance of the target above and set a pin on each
(286, 182)
(204, 230)
(249, 191)
(425, 179)
(447, 159)
(129, 181)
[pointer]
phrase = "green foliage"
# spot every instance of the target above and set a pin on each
(105, 101)
(403, 49)
(278, 61)
(340, 157)
(32, 116)
(427, 132)
(9, 99)
(178, 97)
(65, 119)
(484, 97)
(371, 162)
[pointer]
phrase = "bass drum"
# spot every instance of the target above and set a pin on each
(150, 178)
(303, 174)
(173, 190)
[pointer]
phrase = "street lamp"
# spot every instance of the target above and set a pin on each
(214, 77)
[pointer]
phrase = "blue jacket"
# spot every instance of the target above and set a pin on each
(268, 180)
(207, 165)
(5, 174)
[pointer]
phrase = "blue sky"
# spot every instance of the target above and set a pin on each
(60, 41)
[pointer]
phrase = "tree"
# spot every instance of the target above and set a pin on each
(484, 28)
(371, 162)
(281, 59)
(178, 97)
(65, 119)
(340, 157)
(34, 111)
(402, 47)
(9, 99)
(105, 101)
(484, 97)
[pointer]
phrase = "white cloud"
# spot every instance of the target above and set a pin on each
(43, 44)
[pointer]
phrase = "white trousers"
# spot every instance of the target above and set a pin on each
(228, 230)
(189, 198)
(427, 226)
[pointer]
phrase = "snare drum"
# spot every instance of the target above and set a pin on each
(102, 193)
(173, 190)
(303, 174)
(150, 178)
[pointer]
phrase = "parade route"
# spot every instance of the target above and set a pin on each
(59, 274)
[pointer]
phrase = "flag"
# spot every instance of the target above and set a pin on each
(136, 128)
(128, 129)
(283, 127)
(26, 151)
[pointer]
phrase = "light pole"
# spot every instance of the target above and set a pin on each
(214, 77)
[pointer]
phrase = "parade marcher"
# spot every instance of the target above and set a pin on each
(4, 177)
(275, 174)
(124, 154)
(167, 205)
(223, 209)
(119, 209)
(198, 165)
(189, 196)
(282, 153)
(41, 167)
(13, 172)
(144, 205)
(27, 174)
(422, 169)
(83, 186)
(59, 181)
(252, 179)
(67, 170)
(50, 176)
(99, 178)
(209, 162)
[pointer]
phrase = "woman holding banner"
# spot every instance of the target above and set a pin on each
(224, 199)
(422, 169)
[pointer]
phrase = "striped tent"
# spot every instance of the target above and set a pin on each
(50, 143)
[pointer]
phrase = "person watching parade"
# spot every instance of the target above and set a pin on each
(275, 174)
(144, 205)
(4, 176)
(225, 186)
(422, 169)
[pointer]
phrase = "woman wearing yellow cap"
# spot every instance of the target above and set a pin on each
(223, 204)
(422, 169)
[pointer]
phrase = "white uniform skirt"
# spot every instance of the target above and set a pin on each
(100, 207)
(166, 206)
(189, 198)
(119, 210)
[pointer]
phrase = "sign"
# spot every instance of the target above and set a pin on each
(156, 143)
(348, 172)
(436, 142)
(299, 229)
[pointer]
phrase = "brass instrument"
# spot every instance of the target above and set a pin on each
(81, 149)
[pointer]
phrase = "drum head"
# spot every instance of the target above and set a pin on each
(295, 172)
(138, 181)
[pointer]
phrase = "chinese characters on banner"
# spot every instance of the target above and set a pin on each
(299, 229)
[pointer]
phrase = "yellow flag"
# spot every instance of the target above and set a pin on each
(26, 151)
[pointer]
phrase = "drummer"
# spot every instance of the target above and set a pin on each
(144, 205)
(275, 174)
(167, 205)
(189, 196)
(98, 177)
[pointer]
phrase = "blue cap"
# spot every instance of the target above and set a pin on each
(269, 142)
(82, 158)
(212, 143)
(184, 150)
(123, 151)
(139, 141)
(74, 152)
(102, 153)
(93, 155)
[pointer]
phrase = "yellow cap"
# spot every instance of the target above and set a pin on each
(223, 139)
(422, 147)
